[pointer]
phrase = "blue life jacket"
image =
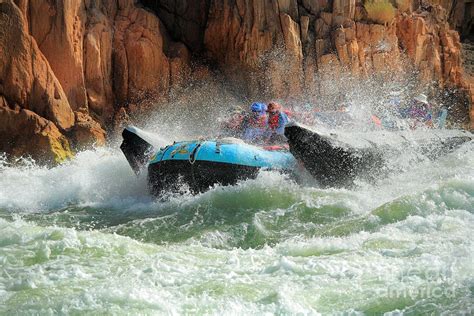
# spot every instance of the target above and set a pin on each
(282, 121)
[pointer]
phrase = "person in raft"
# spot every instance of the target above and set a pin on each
(277, 119)
(255, 125)
(234, 125)
(420, 112)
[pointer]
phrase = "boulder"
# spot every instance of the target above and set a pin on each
(24, 133)
(87, 132)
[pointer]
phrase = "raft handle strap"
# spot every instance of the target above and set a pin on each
(192, 156)
(164, 152)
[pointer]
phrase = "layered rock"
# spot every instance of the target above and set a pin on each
(27, 79)
(460, 15)
(260, 37)
(140, 62)
(242, 34)
(323, 44)
(24, 133)
(433, 47)
(97, 58)
(71, 62)
(58, 28)
(34, 110)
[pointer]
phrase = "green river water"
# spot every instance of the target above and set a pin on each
(86, 238)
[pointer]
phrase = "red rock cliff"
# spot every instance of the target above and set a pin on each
(68, 67)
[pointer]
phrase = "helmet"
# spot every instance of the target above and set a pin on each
(258, 107)
(273, 107)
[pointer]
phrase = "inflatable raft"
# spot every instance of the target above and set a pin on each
(338, 158)
(200, 164)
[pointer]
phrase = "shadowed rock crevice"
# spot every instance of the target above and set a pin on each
(184, 19)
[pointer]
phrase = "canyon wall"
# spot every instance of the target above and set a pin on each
(70, 69)
(67, 66)
(460, 15)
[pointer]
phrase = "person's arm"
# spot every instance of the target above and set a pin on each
(282, 121)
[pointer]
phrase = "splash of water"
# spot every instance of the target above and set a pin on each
(85, 237)
(281, 249)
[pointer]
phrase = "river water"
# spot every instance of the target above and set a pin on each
(86, 237)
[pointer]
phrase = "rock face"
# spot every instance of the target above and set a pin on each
(64, 65)
(58, 28)
(27, 79)
(70, 68)
(257, 36)
(310, 40)
(97, 58)
(140, 61)
(34, 109)
(289, 46)
(184, 19)
(468, 58)
(460, 15)
(468, 63)
(23, 132)
(433, 47)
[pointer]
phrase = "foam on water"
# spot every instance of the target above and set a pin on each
(94, 177)
(420, 264)
(86, 237)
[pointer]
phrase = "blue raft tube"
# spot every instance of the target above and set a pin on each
(201, 164)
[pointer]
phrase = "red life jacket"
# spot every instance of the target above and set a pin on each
(235, 122)
(273, 121)
(260, 121)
